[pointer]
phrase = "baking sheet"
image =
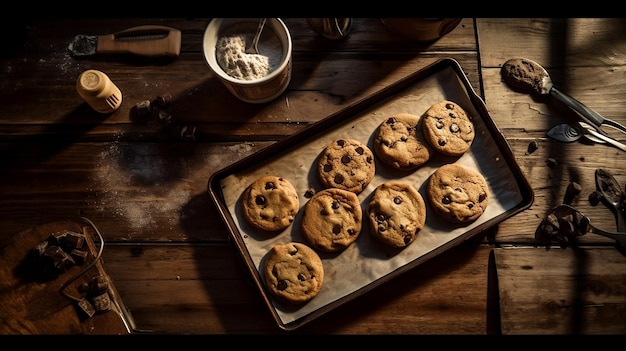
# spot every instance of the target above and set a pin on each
(368, 263)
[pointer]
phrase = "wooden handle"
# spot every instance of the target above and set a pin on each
(148, 40)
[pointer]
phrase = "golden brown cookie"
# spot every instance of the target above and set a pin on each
(399, 142)
(457, 193)
(332, 219)
(397, 213)
(270, 203)
(448, 128)
(346, 164)
(293, 272)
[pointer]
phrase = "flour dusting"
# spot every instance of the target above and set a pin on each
(158, 189)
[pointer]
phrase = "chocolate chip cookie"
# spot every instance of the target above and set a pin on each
(270, 203)
(399, 142)
(332, 219)
(448, 128)
(457, 193)
(293, 272)
(397, 213)
(346, 164)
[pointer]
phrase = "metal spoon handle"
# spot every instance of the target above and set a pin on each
(607, 139)
(621, 221)
(587, 114)
(253, 49)
(619, 237)
(612, 123)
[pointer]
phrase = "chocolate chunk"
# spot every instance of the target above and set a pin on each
(102, 302)
(85, 308)
(79, 256)
(595, 197)
(73, 241)
(551, 162)
(532, 147)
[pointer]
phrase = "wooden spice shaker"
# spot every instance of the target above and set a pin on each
(99, 91)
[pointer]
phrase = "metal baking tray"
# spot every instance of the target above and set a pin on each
(367, 263)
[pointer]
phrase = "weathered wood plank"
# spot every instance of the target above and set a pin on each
(204, 289)
(561, 291)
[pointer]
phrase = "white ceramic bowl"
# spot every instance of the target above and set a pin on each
(257, 90)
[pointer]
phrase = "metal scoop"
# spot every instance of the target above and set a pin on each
(565, 222)
(612, 196)
(532, 77)
(253, 48)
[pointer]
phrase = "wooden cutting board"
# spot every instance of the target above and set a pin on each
(31, 305)
(561, 290)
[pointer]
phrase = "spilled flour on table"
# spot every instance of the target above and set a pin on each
(159, 191)
(151, 186)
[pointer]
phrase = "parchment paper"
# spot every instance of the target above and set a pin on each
(366, 260)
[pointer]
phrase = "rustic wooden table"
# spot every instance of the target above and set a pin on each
(167, 249)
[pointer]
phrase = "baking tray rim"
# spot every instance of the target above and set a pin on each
(274, 150)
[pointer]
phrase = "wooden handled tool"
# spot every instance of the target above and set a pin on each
(147, 40)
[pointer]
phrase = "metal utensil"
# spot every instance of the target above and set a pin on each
(253, 48)
(330, 28)
(148, 40)
(565, 133)
(567, 222)
(592, 134)
(568, 133)
(531, 76)
(612, 196)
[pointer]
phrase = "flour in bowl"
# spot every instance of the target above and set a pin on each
(232, 58)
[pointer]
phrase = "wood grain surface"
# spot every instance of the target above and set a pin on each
(168, 250)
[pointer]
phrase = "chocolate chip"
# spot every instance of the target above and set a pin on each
(446, 200)
(439, 125)
(454, 128)
(407, 239)
(482, 197)
(336, 229)
(328, 167)
(391, 121)
(301, 277)
(339, 179)
(282, 285)
(397, 200)
(346, 159)
(341, 142)
(260, 200)
(351, 231)
(270, 185)
(441, 142)
(450, 106)
(360, 150)
(335, 205)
